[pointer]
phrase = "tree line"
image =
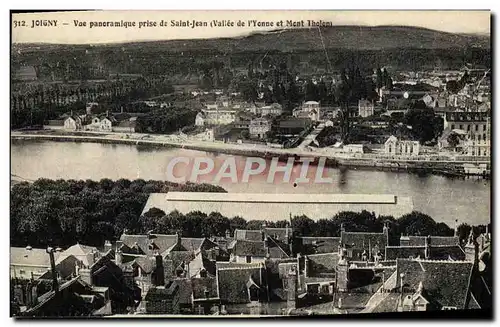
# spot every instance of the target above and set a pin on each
(62, 212)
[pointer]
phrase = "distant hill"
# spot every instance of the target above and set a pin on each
(308, 39)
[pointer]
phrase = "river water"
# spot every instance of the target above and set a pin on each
(444, 199)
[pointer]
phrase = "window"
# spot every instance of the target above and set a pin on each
(468, 128)
(452, 126)
(460, 126)
(477, 128)
(484, 128)
(449, 308)
(22, 272)
(249, 259)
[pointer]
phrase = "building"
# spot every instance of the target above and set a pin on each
(273, 207)
(363, 246)
(293, 126)
(208, 117)
(259, 127)
(477, 125)
(163, 299)
(394, 146)
(274, 109)
(28, 262)
(73, 123)
(242, 283)
(365, 108)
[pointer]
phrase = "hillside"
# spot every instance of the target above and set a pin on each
(308, 39)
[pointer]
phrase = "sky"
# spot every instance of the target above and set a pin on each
(66, 32)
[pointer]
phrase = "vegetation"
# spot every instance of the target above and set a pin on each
(165, 121)
(60, 213)
(198, 224)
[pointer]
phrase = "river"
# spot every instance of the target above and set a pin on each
(444, 199)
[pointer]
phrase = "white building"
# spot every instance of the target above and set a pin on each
(73, 123)
(393, 146)
(365, 108)
(259, 127)
(215, 117)
(274, 109)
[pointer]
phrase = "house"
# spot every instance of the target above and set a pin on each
(274, 109)
(72, 298)
(310, 105)
(87, 255)
(477, 125)
(257, 251)
(433, 285)
(215, 117)
(126, 126)
(365, 108)
(317, 244)
(163, 299)
(364, 246)
(394, 146)
(28, 262)
(73, 123)
(107, 124)
(200, 119)
(259, 127)
(293, 126)
(242, 283)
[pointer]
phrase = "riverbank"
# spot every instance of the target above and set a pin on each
(448, 166)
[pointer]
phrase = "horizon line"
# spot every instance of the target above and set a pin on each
(257, 32)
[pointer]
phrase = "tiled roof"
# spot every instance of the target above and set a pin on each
(440, 252)
(65, 267)
(147, 264)
(191, 243)
(248, 235)
(322, 263)
(175, 258)
(200, 285)
(361, 240)
(249, 248)
(446, 282)
(160, 293)
(185, 290)
(160, 243)
(233, 283)
(199, 263)
(279, 234)
(34, 257)
(82, 252)
(435, 240)
(322, 244)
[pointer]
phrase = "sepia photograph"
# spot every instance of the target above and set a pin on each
(228, 164)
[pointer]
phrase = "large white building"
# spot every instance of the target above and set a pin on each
(274, 207)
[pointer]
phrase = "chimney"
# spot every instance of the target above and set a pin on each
(107, 246)
(55, 283)
(118, 257)
(427, 247)
(179, 239)
(456, 228)
(86, 275)
(160, 272)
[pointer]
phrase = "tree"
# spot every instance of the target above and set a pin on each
(425, 125)
(245, 134)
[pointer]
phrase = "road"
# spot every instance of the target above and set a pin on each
(311, 136)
